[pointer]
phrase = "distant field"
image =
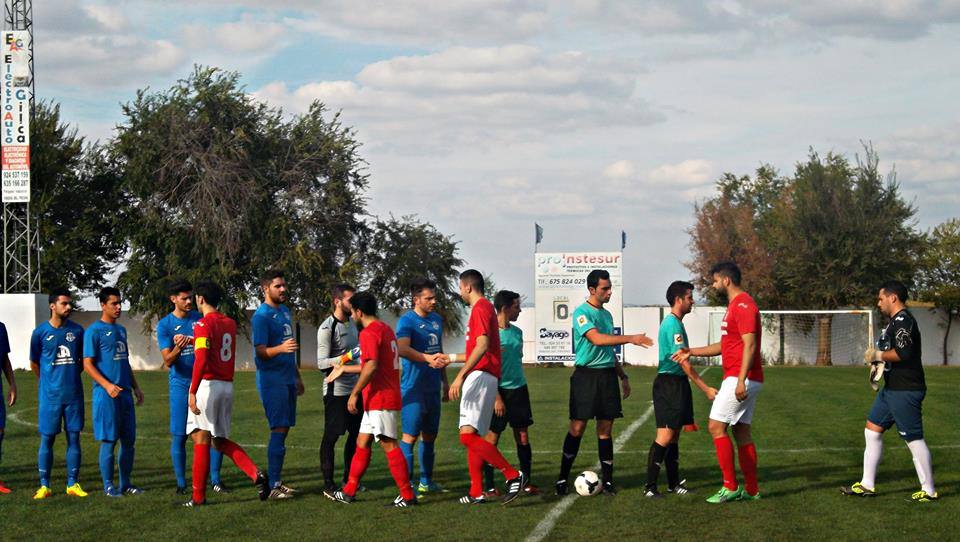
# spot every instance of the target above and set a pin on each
(808, 427)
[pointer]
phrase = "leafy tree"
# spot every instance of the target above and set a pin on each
(938, 276)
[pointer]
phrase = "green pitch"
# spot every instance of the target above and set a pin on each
(808, 428)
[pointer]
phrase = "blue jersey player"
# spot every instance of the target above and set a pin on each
(106, 360)
(55, 357)
(175, 338)
(278, 378)
(8, 373)
(420, 342)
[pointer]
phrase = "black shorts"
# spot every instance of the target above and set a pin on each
(516, 402)
(595, 394)
(672, 401)
(337, 420)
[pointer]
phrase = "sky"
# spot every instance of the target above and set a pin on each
(586, 116)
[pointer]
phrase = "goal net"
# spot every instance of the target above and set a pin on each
(810, 337)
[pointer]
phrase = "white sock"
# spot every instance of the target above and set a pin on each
(872, 453)
(924, 464)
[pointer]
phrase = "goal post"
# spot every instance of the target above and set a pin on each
(809, 337)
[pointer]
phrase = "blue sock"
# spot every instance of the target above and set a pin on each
(106, 462)
(45, 458)
(275, 453)
(216, 460)
(407, 449)
(73, 457)
(127, 450)
(426, 462)
(178, 454)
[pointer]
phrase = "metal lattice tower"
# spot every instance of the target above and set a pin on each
(21, 241)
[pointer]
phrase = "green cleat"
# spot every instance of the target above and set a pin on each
(744, 496)
(432, 487)
(858, 490)
(923, 496)
(725, 495)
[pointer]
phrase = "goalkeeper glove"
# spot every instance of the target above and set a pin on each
(350, 356)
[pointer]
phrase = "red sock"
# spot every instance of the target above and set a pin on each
(475, 465)
(201, 468)
(748, 466)
(240, 458)
(398, 468)
(361, 460)
(489, 453)
(724, 448)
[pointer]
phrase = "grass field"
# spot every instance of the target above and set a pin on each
(808, 428)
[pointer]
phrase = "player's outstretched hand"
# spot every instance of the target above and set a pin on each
(438, 360)
(454, 393)
(138, 393)
(334, 374)
(681, 356)
(870, 355)
(192, 403)
(114, 390)
(352, 404)
(180, 340)
(12, 395)
(711, 393)
(641, 340)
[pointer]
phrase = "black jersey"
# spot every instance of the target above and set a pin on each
(903, 335)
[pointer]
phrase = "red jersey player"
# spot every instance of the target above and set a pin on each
(379, 384)
(211, 394)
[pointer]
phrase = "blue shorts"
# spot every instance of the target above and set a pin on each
(52, 415)
(280, 405)
(113, 418)
(179, 396)
(900, 407)
(420, 412)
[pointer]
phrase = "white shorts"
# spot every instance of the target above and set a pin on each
(381, 423)
(727, 409)
(477, 396)
(215, 401)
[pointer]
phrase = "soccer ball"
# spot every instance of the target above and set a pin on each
(588, 483)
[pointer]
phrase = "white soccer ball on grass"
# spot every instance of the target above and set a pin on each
(587, 483)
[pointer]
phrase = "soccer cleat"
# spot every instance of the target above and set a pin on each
(514, 487)
(220, 488)
(923, 496)
(287, 489)
(399, 502)
(680, 489)
(725, 495)
(278, 494)
(4, 490)
(858, 490)
(193, 504)
(744, 496)
(76, 491)
(609, 490)
(132, 490)
(181, 490)
(432, 487)
(338, 496)
(467, 499)
(652, 493)
(561, 488)
(531, 490)
(112, 491)
(262, 485)
(42, 493)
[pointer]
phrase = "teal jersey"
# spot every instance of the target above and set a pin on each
(673, 337)
(587, 354)
(511, 364)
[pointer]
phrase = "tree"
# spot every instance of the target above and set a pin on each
(77, 196)
(938, 275)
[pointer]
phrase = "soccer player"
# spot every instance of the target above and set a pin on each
(423, 380)
(672, 400)
(379, 385)
(477, 382)
(55, 357)
(11, 389)
(210, 396)
(337, 337)
(278, 378)
(513, 397)
(897, 353)
(739, 349)
(593, 386)
(105, 359)
(175, 338)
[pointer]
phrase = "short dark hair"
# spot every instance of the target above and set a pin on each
(473, 278)
(269, 275)
(365, 302)
(897, 288)
(56, 293)
(727, 269)
(106, 292)
(339, 289)
(677, 288)
(211, 292)
(504, 299)
(593, 279)
(179, 286)
(420, 285)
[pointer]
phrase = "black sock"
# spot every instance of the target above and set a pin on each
(488, 477)
(654, 461)
(348, 449)
(571, 445)
(327, 444)
(605, 450)
(673, 464)
(525, 453)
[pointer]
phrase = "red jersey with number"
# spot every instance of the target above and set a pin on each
(215, 349)
(483, 321)
(377, 342)
(742, 317)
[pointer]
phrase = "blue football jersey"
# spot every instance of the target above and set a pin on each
(426, 336)
(167, 327)
(57, 350)
(271, 327)
(107, 345)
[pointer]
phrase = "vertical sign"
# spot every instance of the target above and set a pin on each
(15, 114)
(561, 286)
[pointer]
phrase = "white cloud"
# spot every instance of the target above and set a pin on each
(249, 35)
(687, 173)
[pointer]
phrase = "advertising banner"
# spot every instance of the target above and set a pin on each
(561, 286)
(15, 111)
